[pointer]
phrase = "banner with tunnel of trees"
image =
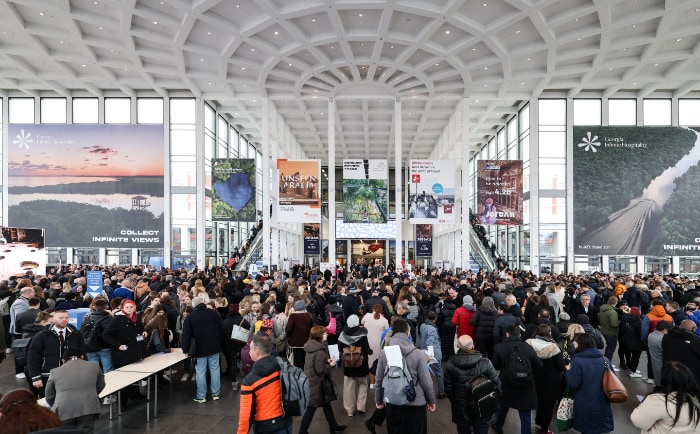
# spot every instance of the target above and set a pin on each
(635, 190)
(365, 191)
(88, 185)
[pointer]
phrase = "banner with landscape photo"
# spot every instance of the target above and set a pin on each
(88, 185)
(233, 189)
(365, 191)
(635, 190)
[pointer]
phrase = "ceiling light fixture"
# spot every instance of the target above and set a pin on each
(276, 32)
(243, 68)
(101, 28)
(517, 31)
(155, 22)
(634, 26)
(360, 14)
(473, 49)
(41, 13)
(486, 4)
(252, 49)
(313, 20)
(679, 39)
(447, 32)
(208, 33)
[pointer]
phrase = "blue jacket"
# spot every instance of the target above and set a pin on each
(429, 336)
(592, 411)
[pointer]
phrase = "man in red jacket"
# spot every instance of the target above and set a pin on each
(463, 316)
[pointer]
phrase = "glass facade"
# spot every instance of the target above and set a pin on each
(195, 133)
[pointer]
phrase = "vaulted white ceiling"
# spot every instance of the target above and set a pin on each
(364, 54)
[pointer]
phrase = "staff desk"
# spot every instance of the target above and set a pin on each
(148, 367)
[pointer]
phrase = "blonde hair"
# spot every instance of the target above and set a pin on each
(574, 329)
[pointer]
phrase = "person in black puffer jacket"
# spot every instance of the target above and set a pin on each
(484, 319)
(447, 332)
(461, 367)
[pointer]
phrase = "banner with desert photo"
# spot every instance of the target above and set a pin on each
(88, 185)
(500, 192)
(299, 191)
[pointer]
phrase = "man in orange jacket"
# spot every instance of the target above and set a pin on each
(261, 393)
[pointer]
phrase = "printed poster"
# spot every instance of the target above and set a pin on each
(312, 238)
(424, 240)
(88, 185)
(365, 191)
(431, 192)
(299, 191)
(636, 190)
(23, 250)
(233, 189)
(500, 192)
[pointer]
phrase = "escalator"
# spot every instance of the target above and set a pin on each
(253, 255)
(479, 256)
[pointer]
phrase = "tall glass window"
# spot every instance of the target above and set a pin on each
(21, 110)
(117, 110)
(85, 110)
(622, 112)
(657, 112)
(53, 111)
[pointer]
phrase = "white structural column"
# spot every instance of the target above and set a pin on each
(570, 267)
(466, 224)
(265, 190)
(331, 183)
(201, 182)
(398, 182)
(534, 186)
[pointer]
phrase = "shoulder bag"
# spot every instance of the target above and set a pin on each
(614, 390)
(240, 334)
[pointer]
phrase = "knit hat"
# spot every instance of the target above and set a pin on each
(267, 324)
(583, 319)
(353, 321)
(299, 306)
(634, 310)
(467, 299)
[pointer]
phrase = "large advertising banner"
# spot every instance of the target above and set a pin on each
(88, 185)
(365, 191)
(431, 191)
(635, 191)
(233, 189)
(22, 250)
(299, 191)
(500, 192)
(312, 238)
(424, 241)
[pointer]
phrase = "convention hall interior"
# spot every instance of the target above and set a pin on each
(598, 100)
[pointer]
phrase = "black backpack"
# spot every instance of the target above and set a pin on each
(91, 331)
(481, 395)
(518, 370)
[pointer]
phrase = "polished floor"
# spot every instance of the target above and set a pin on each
(177, 413)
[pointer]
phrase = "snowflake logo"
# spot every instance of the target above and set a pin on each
(589, 144)
(23, 139)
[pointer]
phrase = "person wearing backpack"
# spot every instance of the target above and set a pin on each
(353, 344)
(94, 324)
(548, 380)
(517, 362)
(411, 417)
(461, 371)
(261, 405)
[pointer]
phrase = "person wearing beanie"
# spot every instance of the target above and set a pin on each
(297, 330)
(584, 321)
(354, 378)
(631, 340)
(463, 317)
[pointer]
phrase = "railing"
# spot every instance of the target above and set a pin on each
(479, 252)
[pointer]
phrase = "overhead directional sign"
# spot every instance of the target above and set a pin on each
(94, 283)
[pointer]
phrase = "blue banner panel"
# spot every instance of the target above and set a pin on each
(424, 240)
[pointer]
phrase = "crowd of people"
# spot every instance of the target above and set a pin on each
(448, 328)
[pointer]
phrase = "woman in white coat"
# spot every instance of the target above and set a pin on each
(673, 409)
(375, 323)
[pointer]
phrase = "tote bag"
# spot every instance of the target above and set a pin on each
(565, 412)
